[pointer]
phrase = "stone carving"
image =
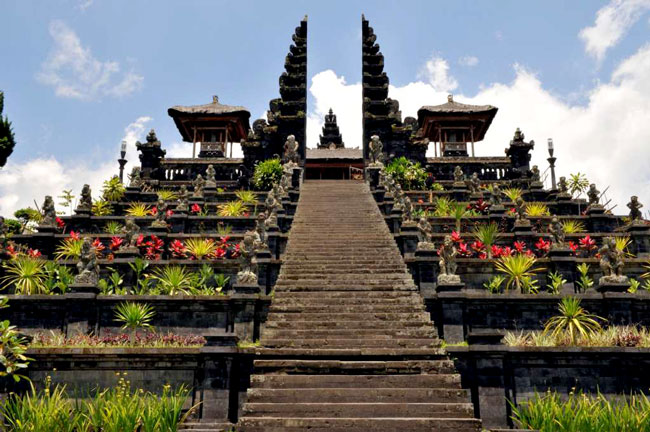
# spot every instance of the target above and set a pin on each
(635, 209)
(134, 178)
(130, 231)
(495, 196)
(87, 268)
(376, 152)
(260, 230)
(593, 194)
(183, 205)
(448, 265)
(272, 204)
(473, 183)
(210, 177)
(85, 200)
(247, 274)
(161, 215)
(611, 263)
(407, 209)
(199, 185)
(459, 175)
(557, 231)
(398, 196)
(520, 210)
(534, 174)
(563, 186)
(425, 235)
(49, 213)
(291, 152)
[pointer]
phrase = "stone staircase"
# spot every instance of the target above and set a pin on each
(348, 345)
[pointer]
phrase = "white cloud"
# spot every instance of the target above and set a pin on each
(612, 22)
(436, 73)
(23, 183)
(606, 138)
(73, 71)
(84, 4)
(468, 61)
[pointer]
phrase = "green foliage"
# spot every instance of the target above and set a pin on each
(12, 349)
(458, 212)
(442, 206)
(573, 226)
(142, 284)
(513, 193)
(519, 271)
(267, 173)
(13, 226)
(167, 195)
(249, 198)
(58, 278)
(409, 175)
(494, 284)
(200, 248)
(172, 280)
(206, 282)
(134, 315)
(572, 320)
(584, 282)
(138, 210)
(27, 217)
(7, 138)
(102, 208)
(580, 412)
(556, 281)
(578, 184)
(487, 234)
(634, 286)
(113, 189)
(223, 230)
(113, 227)
(69, 248)
(27, 275)
(232, 208)
(536, 209)
(67, 198)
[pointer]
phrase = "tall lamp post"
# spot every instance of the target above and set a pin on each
(122, 161)
(551, 160)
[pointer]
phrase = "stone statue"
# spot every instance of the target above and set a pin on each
(473, 184)
(448, 253)
(134, 178)
(557, 231)
(272, 204)
(49, 213)
(611, 263)
(130, 231)
(161, 214)
(210, 177)
(459, 175)
(398, 195)
(425, 235)
(593, 194)
(563, 186)
(520, 210)
(183, 205)
(495, 196)
(247, 274)
(285, 184)
(260, 230)
(407, 209)
(85, 200)
(291, 152)
(635, 209)
(376, 152)
(87, 268)
(198, 184)
(534, 174)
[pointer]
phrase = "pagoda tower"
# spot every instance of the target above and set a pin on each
(331, 137)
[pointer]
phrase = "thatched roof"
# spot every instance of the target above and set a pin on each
(207, 113)
(456, 107)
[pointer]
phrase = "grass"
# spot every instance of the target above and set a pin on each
(613, 336)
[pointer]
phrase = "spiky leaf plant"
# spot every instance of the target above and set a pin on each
(232, 208)
(572, 320)
(519, 271)
(27, 275)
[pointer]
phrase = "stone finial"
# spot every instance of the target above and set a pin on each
(85, 201)
(49, 212)
(215, 99)
(635, 208)
(450, 98)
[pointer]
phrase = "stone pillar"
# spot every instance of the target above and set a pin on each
(82, 312)
(640, 234)
(426, 270)
(409, 238)
(263, 259)
(491, 389)
(459, 191)
(599, 221)
(214, 382)
(296, 178)
(243, 305)
(395, 223)
(372, 176)
(453, 311)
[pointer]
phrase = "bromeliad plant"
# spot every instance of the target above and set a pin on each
(572, 320)
(172, 280)
(487, 234)
(518, 270)
(536, 209)
(584, 282)
(513, 193)
(232, 208)
(572, 226)
(25, 274)
(167, 195)
(113, 189)
(201, 248)
(134, 316)
(139, 210)
(102, 208)
(12, 349)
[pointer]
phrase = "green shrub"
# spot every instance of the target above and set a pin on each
(267, 173)
(409, 175)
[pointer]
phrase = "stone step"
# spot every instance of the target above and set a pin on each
(427, 424)
(350, 343)
(320, 302)
(343, 395)
(417, 332)
(332, 324)
(343, 316)
(338, 367)
(342, 308)
(370, 281)
(286, 286)
(348, 295)
(205, 427)
(424, 353)
(360, 410)
(356, 381)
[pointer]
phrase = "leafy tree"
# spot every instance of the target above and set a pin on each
(7, 140)
(67, 199)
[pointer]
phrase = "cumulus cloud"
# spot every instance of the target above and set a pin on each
(73, 71)
(606, 138)
(468, 61)
(23, 183)
(612, 22)
(436, 73)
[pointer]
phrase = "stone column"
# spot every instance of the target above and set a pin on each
(640, 235)
(409, 238)
(452, 305)
(82, 312)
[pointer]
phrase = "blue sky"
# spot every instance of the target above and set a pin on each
(77, 73)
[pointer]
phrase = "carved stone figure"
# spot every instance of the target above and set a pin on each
(593, 194)
(459, 175)
(473, 183)
(161, 215)
(199, 185)
(134, 178)
(563, 186)
(49, 213)
(635, 208)
(85, 200)
(130, 231)
(272, 204)
(376, 152)
(495, 197)
(611, 263)
(407, 209)
(247, 274)
(210, 177)
(520, 210)
(534, 174)
(557, 231)
(398, 195)
(183, 205)
(425, 235)
(448, 265)
(87, 268)
(260, 230)
(291, 152)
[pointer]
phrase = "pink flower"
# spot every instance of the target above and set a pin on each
(74, 235)
(33, 253)
(59, 222)
(520, 246)
(455, 237)
(477, 246)
(116, 242)
(169, 213)
(177, 249)
(587, 243)
(543, 245)
(195, 208)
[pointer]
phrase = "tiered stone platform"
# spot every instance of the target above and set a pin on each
(348, 345)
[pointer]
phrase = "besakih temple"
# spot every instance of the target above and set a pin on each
(345, 300)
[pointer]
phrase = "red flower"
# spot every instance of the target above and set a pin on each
(543, 245)
(33, 253)
(463, 250)
(177, 249)
(195, 208)
(497, 251)
(478, 246)
(507, 251)
(587, 243)
(59, 222)
(520, 246)
(455, 237)
(529, 253)
(74, 235)
(11, 251)
(220, 252)
(110, 257)
(512, 210)
(116, 242)
(140, 240)
(482, 255)
(169, 213)
(420, 201)
(98, 245)
(573, 246)
(153, 211)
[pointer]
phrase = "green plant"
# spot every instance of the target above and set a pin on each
(442, 206)
(7, 139)
(634, 286)
(167, 195)
(171, 280)
(572, 319)
(623, 243)
(494, 284)
(578, 184)
(232, 208)
(69, 248)
(267, 173)
(536, 209)
(102, 208)
(487, 234)
(142, 284)
(134, 315)
(573, 226)
(513, 193)
(67, 199)
(249, 198)
(58, 278)
(200, 248)
(113, 227)
(409, 175)
(458, 212)
(28, 217)
(113, 189)
(584, 282)
(12, 349)
(138, 210)
(556, 282)
(221, 281)
(519, 271)
(27, 275)
(223, 230)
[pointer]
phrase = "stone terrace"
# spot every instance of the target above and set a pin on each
(348, 345)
